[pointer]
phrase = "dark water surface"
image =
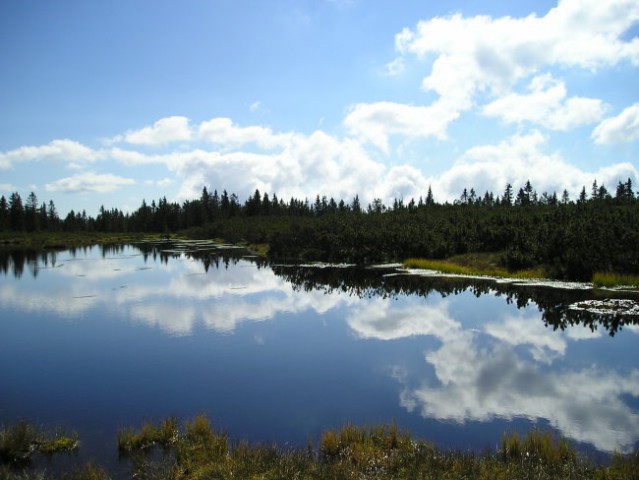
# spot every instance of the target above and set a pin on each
(101, 338)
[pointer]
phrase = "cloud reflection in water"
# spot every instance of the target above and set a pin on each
(481, 375)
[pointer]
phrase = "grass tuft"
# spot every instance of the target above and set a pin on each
(194, 450)
(149, 435)
(19, 442)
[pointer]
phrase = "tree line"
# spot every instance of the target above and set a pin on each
(597, 231)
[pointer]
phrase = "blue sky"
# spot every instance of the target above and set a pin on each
(107, 103)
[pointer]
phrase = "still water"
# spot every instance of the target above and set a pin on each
(102, 338)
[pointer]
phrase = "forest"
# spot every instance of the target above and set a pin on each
(570, 239)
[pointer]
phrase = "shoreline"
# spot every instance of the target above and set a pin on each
(173, 449)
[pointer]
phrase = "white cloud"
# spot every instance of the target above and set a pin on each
(546, 105)
(622, 128)
(164, 182)
(164, 131)
(89, 183)
(521, 158)
(223, 131)
(490, 55)
(375, 122)
(480, 52)
(64, 150)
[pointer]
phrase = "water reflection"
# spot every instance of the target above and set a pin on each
(489, 351)
(481, 374)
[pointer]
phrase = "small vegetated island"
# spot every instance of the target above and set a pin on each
(591, 238)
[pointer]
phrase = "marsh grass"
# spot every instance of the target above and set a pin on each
(487, 265)
(19, 442)
(194, 450)
(609, 279)
(166, 433)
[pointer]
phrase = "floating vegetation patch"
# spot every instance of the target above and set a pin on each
(617, 306)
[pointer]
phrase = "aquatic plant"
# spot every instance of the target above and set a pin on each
(19, 442)
(194, 450)
(149, 435)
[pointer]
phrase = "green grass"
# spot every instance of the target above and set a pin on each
(476, 264)
(20, 441)
(609, 279)
(195, 450)
(165, 434)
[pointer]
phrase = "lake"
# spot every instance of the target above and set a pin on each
(100, 338)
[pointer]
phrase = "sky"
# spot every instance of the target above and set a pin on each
(109, 103)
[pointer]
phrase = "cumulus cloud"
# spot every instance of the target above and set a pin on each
(546, 105)
(63, 151)
(622, 128)
(223, 131)
(89, 183)
(479, 53)
(520, 158)
(164, 131)
(375, 122)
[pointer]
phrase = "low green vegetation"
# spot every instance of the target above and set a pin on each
(195, 450)
(164, 434)
(22, 440)
(609, 279)
(477, 264)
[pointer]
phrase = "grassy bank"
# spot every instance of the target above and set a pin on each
(194, 450)
(609, 279)
(67, 239)
(475, 264)
(488, 265)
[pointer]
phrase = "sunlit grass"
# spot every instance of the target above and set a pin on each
(486, 265)
(609, 279)
(195, 450)
(20, 441)
(165, 434)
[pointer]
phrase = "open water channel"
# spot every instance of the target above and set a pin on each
(102, 338)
